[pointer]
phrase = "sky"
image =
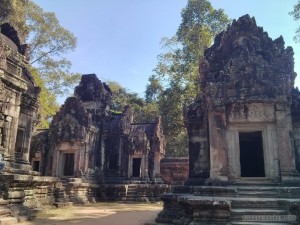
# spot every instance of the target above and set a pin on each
(119, 40)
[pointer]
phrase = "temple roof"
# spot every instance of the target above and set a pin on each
(245, 64)
(91, 88)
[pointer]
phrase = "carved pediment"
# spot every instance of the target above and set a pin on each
(245, 64)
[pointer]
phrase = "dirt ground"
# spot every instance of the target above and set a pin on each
(100, 214)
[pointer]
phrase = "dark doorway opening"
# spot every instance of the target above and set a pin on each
(36, 166)
(251, 154)
(136, 167)
(19, 140)
(68, 164)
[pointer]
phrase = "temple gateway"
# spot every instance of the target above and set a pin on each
(244, 134)
(244, 124)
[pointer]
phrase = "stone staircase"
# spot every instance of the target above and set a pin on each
(6, 216)
(254, 203)
(232, 205)
(255, 211)
(62, 199)
(131, 195)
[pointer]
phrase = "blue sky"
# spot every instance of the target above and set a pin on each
(119, 40)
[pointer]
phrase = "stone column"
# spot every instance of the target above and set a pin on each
(297, 144)
(102, 152)
(13, 122)
(285, 153)
(120, 156)
(26, 142)
(10, 130)
(218, 146)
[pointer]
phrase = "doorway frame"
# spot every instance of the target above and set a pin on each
(269, 144)
(143, 165)
(133, 170)
(245, 152)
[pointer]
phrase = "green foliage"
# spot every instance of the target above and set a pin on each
(142, 111)
(49, 42)
(175, 82)
(48, 105)
(296, 15)
(153, 90)
(13, 11)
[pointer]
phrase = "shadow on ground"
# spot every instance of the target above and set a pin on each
(99, 214)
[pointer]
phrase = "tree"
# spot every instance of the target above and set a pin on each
(13, 11)
(142, 111)
(296, 14)
(49, 105)
(49, 42)
(176, 74)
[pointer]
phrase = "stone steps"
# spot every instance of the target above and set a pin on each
(269, 192)
(246, 205)
(242, 191)
(6, 216)
(4, 211)
(240, 214)
(258, 223)
(257, 202)
(131, 195)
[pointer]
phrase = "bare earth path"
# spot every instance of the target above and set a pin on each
(99, 214)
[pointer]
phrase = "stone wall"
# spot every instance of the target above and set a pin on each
(174, 171)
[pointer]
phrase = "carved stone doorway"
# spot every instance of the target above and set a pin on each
(136, 167)
(251, 154)
(68, 164)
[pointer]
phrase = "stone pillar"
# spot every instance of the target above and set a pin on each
(120, 156)
(218, 146)
(102, 153)
(11, 128)
(146, 167)
(26, 139)
(285, 153)
(297, 144)
(13, 105)
(199, 160)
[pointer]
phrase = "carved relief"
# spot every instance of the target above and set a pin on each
(251, 112)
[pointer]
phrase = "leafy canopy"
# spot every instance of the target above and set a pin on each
(49, 43)
(142, 111)
(296, 15)
(175, 82)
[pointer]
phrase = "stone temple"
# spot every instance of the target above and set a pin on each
(86, 139)
(90, 146)
(21, 189)
(243, 127)
(89, 153)
(244, 134)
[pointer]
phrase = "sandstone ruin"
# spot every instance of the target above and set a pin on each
(21, 188)
(86, 139)
(244, 139)
(244, 136)
(88, 154)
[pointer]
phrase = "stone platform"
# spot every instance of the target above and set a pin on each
(22, 194)
(248, 205)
